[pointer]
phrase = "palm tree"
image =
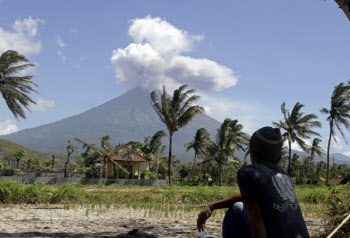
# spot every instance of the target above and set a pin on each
(175, 112)
(229, 138)
(106, 152)
(338, 115)
(200, 143)
(15, 89)
(152, 147)
(316, 149)
(298, 127)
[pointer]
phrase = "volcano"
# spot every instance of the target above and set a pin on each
(125, 118)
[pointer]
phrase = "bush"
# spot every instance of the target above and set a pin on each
(67, 193)
(317, 196)
(338, 208)
(146, 174)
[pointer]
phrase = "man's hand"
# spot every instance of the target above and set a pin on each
(202, 218)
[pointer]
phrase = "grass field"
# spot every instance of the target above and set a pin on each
(166, 201)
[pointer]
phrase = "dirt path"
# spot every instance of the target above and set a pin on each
(54, 221)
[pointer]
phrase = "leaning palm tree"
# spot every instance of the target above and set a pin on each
(297, 126)
(200, 143)
(316, 149)
(152, 147)
(229, 138)
(175, 112)
(106, 152)
(338, 115)
(15, 89)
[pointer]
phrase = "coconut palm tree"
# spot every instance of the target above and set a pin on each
(316, 149)
(106, 152)
(297, 126)
(152, 147)
(175, 112)
(229, 138)
(338, 115)
(200, 143)
(15, 89)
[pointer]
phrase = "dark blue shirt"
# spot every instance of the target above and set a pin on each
(271, 187)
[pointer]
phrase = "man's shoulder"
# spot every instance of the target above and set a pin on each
(259, 170)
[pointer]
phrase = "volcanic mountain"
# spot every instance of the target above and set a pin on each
(125, 118)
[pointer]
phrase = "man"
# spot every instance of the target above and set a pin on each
(270, 207)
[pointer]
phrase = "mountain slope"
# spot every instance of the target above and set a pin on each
(127, 117)
(9, 147)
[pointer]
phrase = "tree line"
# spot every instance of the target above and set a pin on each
(177, 111)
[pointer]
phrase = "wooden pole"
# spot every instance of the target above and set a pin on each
(341, 224)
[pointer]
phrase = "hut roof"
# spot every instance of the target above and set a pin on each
(335, 180)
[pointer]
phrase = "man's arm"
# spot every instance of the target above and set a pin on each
(224, 203)
(256, 222)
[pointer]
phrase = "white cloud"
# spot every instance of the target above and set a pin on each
(61, 56)
(154, 59)
(347, 153)
(336, 146)
(221, 108)
(73, 31)
(59, 42)
(295, 145)
(163, 36)
(78, 64)
(61, 45)
(42, 105)
(21, 38)
(8, 127)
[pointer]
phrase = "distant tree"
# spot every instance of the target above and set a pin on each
(70, 150)
(338, 115)
(53, 160)
(316, 148)
(295, 165)
(152, 148)
(200, 143)
(15, 89)
(19, 155)
(229, 138)
(175, 113)
(106, 152)
(297, 127)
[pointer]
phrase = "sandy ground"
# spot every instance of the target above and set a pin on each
(54, 221)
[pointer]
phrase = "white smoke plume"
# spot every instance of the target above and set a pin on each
(155, 59)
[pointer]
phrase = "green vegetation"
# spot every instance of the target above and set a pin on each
(15, 89)
(165, 200)
(297, 127)
(106, 152)
(176, 112)
(8, 149)
(338, 115)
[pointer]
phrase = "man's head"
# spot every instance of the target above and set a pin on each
(265, 145)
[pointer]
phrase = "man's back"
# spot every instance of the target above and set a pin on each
(269, 186)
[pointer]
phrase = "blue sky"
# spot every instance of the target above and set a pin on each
(277, 50)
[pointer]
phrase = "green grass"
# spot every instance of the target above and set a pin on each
(166, 201)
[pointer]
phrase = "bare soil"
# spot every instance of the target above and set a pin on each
(53, 221)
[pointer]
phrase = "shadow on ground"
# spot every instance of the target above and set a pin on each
(132, 234)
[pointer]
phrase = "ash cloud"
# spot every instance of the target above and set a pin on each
(156, 57)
